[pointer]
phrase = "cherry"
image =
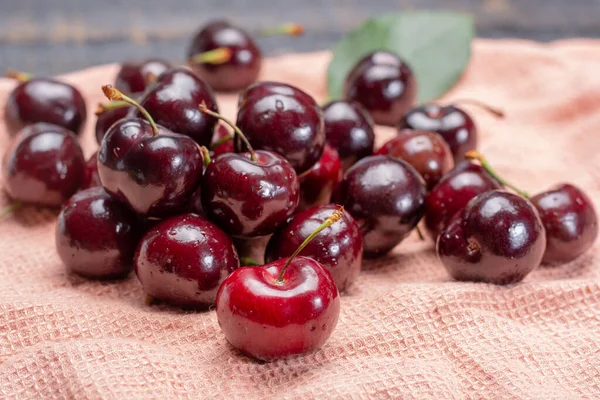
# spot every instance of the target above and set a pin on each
(183, 260)
(318, 183)
(249, 194)
(108, 114)
(349, 129)
(135, 76)
(173, 103)
(425, 151)
(44, 165)
(338, 248)
(497, 238)
(570, 220)
(384, 85)
(453, 192)
(90, 176)
(44, 100)
(150, 168)
(222, 142)
(386, 197)
(96, 235)
(284, 119)
(287, 307)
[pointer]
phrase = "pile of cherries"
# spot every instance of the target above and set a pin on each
(172, 194)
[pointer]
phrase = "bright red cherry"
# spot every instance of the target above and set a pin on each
(287, 307)
(318, 183)
(284, 119)
(384, 85)
(96, 235)
(386, 196)
(497, 238)
(338, 248)
(349, 129)
(45, 100)
(183, 260)
(90, 173)
(135, 76)
(173, 103)
(107, 115)
(44, 165)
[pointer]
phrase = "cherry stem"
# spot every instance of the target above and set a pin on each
(475, 155)
(492, 110)
(421, 237)
(15, 205)
(336, 216)
(115, 94)
(205, 155)
(237, 130)
(219, 55)
(249, 262)
(221, 141)
(18, 75)
(102, 108)
(289, 29)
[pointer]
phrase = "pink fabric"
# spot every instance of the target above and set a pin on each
(405, 331)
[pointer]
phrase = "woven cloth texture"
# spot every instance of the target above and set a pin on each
(405, 331)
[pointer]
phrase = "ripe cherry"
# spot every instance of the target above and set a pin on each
(90, 176)
(318, 183)
(222, 142)
(108, 114)
(135, 76)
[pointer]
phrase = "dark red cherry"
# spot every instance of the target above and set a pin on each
(452, 123)
(249, 198)
(425, 151)
(571, 222)
(105, 119)
(384, 86)
(90, 173)
(173, 101)
(244, 63)
(386, 197)
(222, 142)
(154, 173)
(96, 235)
(338, 248)
(284, 119)
(318, 183)
(45, 100)
(497, 238)
(44, 165)
(135, 76)
(183, 260)
(349, 129)
(453, 192)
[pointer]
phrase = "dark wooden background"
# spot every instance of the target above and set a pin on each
(57, 36)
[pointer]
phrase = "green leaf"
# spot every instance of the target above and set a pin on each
(436, 45)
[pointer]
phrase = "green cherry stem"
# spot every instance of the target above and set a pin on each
(475, 155)
(115, 94)
(102, 108)
(216, 56)
(220, 142)
(237, 130)
(421, 237)
(492, 110)
(289, 29)
(18, 75)
(15, 205)
(205, 155)
(249, 262)
(336, 216)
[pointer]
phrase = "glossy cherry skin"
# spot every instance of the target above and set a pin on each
(571, 222)
(349, 129)
(242, 68)
(375, 57)
(338, 248)
(106, 118)
(267, 319)
(225, 147)
(453, 192)
(43, 166)
(250, 198)
(284, 119)
(318, 183)
(154, 174)
(426, 151)
(90, 173)
(452, 123)
(386, 197)
(173, 102)
(96, 235)
(385, 87)
(45, 100)
(497, 238)
(183, 260)
(134, 76)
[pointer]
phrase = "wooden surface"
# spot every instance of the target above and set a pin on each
(56, 36)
